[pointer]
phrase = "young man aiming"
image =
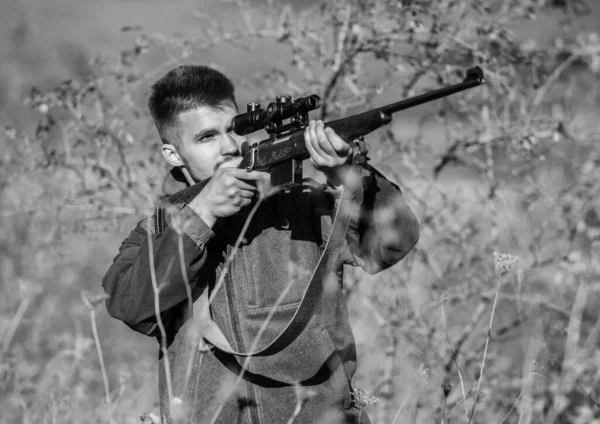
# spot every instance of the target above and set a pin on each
(192, 107)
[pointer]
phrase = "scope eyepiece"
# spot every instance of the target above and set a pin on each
(306, 104)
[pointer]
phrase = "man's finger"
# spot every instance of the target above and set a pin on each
(247, 194)
(322, 140)
(242, 174)
(309, 146)
(242, 185)
(240, 202)
(337, 142)
(318, 155)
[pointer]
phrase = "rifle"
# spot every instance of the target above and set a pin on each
(283, 152)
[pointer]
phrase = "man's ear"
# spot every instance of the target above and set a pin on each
(171, 155)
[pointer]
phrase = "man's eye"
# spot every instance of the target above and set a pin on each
(208, 137)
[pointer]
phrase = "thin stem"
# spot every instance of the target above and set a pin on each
(100, 358)
(272, 311)
(234, 251)
(514, 404)
(444, 409)
(161, 327)
(222, 279)
(568, 372)
(462, 383)
(487, 341)
(262, 329)
(553, 76)
(297, 409)
(195, 402)
(588, 395)
(402, 406)
(13, 326)
(188, 292)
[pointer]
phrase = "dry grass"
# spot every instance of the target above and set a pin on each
(455, 347)
(515, 348)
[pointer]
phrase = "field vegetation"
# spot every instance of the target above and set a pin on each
(492, 318)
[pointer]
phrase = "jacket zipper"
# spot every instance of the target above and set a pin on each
(249, 389)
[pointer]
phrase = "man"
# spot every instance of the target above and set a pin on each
(192, 107)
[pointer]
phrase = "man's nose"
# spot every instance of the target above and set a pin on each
(229, 146)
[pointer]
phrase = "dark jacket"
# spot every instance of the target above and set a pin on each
(285, 236)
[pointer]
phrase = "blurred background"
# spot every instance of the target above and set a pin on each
(511, 167)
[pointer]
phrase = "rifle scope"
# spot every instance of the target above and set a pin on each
(256, 118)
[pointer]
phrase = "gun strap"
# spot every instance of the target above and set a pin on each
(206, 327)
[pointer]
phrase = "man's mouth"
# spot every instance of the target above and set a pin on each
(228, 159)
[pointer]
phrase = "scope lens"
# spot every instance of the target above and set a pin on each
(314, 102)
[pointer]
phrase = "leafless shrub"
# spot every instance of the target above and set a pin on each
(91, 162)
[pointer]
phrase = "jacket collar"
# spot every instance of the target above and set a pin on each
(173, 182)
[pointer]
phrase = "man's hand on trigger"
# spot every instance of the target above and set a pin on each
(229, 190)
(329, 153)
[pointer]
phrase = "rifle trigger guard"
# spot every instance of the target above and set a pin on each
(253, 153)
(360, 157)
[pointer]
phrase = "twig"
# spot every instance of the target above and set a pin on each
(444, 409)
(588, 395)
(188, 292)
(98, 165)
(245, 13)
(487, 340)
(489, 151)
(100, 358)
(454, 356)
(234, 250)
(505, 296)
(518, 397)
(302, 396)
(263, 194)
(262, 329)
(571, 347)
(553, 76)
(402, 406)
(341, 40)
(297, 410)
(339, 63)
(91, 304)
(13, 326)
(467, 330)
(161, 327)
(196, 391)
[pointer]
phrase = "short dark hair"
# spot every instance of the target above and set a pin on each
(184, 88)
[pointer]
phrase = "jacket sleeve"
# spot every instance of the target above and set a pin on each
(128, 281)
(383, 229)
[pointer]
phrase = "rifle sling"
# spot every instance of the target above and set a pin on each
(206, 327)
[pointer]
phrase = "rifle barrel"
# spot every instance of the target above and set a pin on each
(473, 79)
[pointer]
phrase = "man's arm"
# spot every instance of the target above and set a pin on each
(128, 281)
(384, 229)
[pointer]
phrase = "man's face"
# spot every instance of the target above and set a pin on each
(205, 144)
